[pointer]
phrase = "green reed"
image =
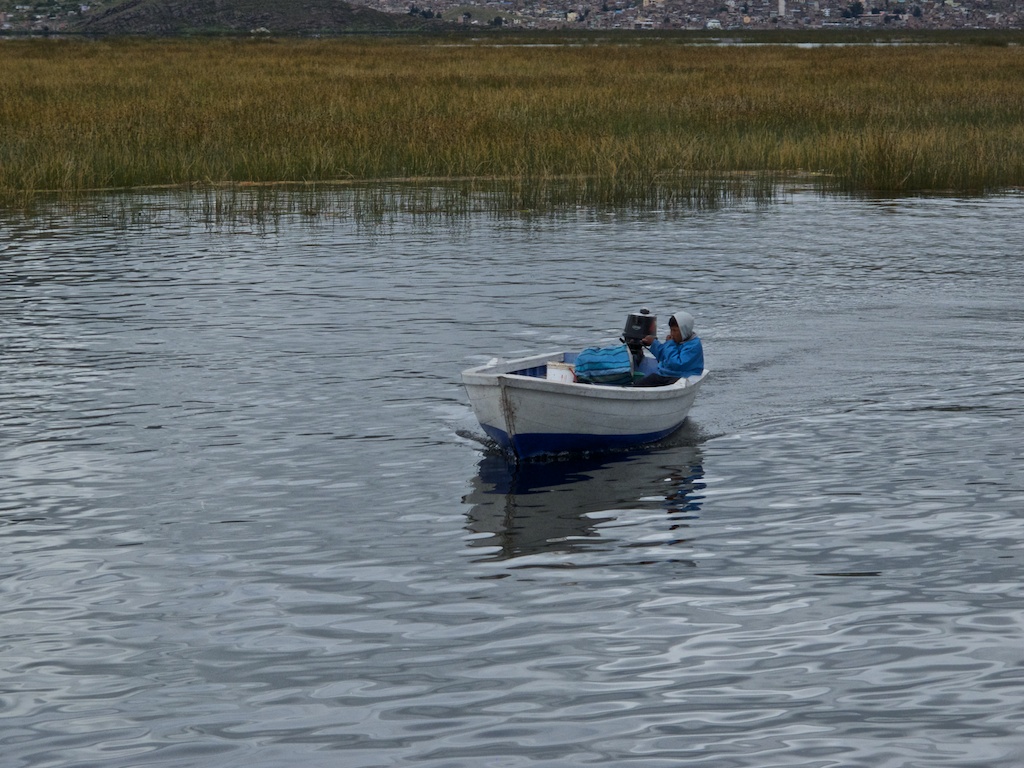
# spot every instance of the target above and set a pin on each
(652, 124)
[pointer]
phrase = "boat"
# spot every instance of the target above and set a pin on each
(530, 408)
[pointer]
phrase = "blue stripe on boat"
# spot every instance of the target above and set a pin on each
(541, 443)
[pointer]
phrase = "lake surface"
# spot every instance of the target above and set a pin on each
(248, 518)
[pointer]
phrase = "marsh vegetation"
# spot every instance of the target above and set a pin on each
(529, 126)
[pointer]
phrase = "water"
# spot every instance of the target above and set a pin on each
(248, 519)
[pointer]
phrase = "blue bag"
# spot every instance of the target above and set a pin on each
(605, 365)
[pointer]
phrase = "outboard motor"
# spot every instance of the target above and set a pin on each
(638, 326)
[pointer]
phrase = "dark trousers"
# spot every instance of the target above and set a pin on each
(655, 380)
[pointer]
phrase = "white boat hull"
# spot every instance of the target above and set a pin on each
(529, 415)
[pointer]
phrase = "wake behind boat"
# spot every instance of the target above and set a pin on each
(531, 407)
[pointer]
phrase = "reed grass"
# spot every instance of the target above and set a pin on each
(604, 124)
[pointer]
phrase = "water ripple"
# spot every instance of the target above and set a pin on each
(248, 518)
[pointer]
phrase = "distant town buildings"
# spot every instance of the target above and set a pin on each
(57, 15)
(39, 17)
(720, 14)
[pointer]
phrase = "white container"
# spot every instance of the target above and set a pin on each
(564, 372)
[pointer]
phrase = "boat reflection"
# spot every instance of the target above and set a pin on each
(577, 505)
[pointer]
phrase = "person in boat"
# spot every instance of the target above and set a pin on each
(679, 355)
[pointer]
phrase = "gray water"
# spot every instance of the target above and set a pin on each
(248, 518)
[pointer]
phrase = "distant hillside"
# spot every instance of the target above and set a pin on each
(276, 17)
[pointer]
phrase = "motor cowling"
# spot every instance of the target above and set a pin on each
(638, 326)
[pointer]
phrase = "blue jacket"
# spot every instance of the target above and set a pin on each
(679, 360)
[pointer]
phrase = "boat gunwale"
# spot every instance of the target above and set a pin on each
(503, 373)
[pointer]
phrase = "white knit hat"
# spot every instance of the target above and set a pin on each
(685, 322)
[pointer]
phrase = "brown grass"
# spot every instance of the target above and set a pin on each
(595, 124)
